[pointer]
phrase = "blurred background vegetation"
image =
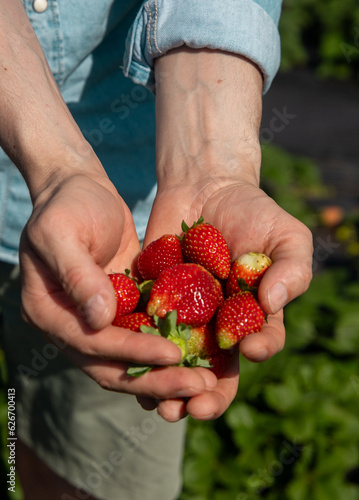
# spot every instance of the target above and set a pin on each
(293, 430)
(323, 36)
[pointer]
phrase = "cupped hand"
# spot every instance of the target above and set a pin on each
(250, 221)
(80, 230)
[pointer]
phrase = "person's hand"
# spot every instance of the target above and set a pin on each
(208, 107)
(79, 230)
(249, 221)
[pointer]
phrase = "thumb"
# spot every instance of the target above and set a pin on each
(286, 279)
(93, 292)
(70, 274)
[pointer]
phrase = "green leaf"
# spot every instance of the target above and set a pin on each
(138, 370)
(192, 360)
(184, 227)
(167, 325)
(149, 329)
(184, 331)
(145, 289)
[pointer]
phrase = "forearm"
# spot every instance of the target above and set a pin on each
(208, 113)
(37, 130)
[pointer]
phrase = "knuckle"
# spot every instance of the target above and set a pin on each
(304, 275)
(71, 278)
(104, 381)
(40, 226)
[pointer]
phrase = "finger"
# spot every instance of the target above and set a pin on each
(84, 282)
(291, 272)
(212, 404)
(263, 345)
(159, 383)
(117, 343)
(147, 404)
(112, 343)
(172, 410)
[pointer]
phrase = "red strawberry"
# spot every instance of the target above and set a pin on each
(203, 344)
(127, 293)
(134, 321)
(204, 244)
(237, 317)
(158, 255)
(250, 267)
(189, 289)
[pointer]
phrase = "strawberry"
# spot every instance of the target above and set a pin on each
(189, 289)
(126, 291)
(247, 269)
(204, 244)
(158, 255)
(134, 321)
(203, 344)
(237, 317)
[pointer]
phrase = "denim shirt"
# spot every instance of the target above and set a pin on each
(92, 47)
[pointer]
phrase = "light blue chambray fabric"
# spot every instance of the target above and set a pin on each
(244, 27)
(87, 42)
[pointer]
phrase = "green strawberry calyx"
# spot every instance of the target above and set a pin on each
(185, 227)
(178, 334)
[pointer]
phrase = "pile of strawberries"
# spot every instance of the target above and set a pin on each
(193, 294)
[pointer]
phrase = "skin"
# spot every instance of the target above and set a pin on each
(208, 163)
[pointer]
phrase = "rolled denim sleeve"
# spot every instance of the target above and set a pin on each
(245, 27)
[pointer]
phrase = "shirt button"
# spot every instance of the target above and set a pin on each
(39, 5)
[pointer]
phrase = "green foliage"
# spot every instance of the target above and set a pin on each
(291, 180)
(323, 35)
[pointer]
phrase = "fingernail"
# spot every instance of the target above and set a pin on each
(277, 297)
(94, 310)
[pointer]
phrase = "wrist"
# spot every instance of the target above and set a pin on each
(208, 111)
(61, 167)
